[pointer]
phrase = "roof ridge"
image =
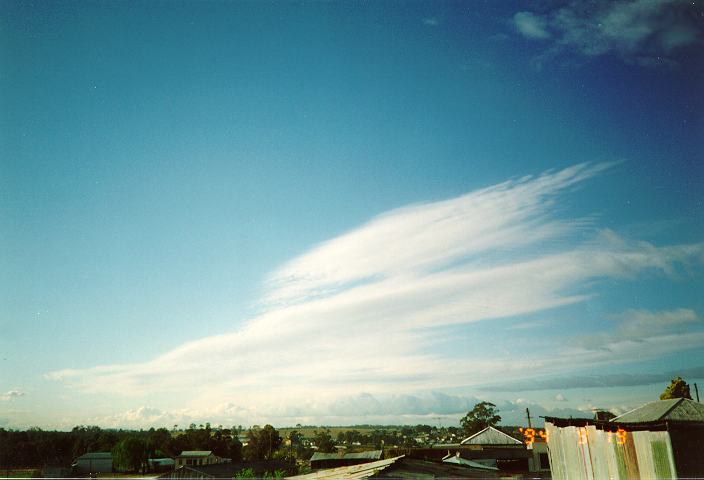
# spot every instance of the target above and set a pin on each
(679, 401)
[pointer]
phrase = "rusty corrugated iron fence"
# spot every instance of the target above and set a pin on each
(586, 452)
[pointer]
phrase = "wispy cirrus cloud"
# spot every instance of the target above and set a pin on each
(361, 312)
(642, 31)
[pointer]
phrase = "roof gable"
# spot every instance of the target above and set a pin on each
(490, 436)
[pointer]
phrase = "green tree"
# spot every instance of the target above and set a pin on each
(262, 444)
(323, 440)
(130, 454)
(678, 388)
(484, 414)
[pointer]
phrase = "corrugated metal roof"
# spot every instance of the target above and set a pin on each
(96, 456)
(457, 460)
(325, 456)
(363, 470)
(491, 436)
(368, 455)
(195, 453)
(682, 409)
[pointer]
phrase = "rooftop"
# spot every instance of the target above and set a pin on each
(368, 455)
(679, 409)
(196, 453)
(96, 456)
(491, 436)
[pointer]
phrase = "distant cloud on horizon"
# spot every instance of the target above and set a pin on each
(12, 394)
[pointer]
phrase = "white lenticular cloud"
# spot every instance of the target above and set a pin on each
(361, 312)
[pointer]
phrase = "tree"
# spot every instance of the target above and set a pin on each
(678, 388)
(324, 442)
(262, 444)
(483, 415)
(130, 454)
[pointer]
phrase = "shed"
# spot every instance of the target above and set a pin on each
(661, 439)
(197, 457)
(93, 462)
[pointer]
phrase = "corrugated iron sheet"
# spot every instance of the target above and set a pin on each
(491, 436)
(588, 453)
(364, 470)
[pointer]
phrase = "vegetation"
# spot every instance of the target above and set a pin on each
(132, 449)
(678, 388)
(262, 443)
(130, 454)
(324, 442)
(484, 414)
(36, 447)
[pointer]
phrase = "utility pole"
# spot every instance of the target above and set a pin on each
(528, 415)
(696, 391)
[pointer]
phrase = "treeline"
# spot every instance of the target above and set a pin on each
(131, 449)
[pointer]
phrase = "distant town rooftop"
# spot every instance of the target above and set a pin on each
(196, 453)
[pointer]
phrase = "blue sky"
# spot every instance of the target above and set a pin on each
(242, 212)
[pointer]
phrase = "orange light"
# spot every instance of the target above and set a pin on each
(622, 435)
(529, 435)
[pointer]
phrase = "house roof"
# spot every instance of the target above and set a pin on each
(680, 409)
(490, 436)
(223, 470)
(196, 453)
(363, 470)
(423, 469)
(96, 456)
(368, 455)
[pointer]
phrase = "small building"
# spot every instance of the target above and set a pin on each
(197, 457)
(93, 462)
(161, 464)
(539, 459)
(341, 459)
(661, 439)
